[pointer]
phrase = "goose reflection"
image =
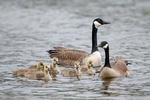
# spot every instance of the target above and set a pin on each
(107, 82)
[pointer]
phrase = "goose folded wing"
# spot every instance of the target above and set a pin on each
(119, 65)
(68, 56)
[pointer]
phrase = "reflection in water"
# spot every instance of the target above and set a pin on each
(107, 82)
(106, 89)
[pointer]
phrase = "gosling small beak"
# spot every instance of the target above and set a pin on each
(104, 22)
(92, 65)
(49, 69)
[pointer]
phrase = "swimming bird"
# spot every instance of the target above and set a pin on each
(21, 72)
(76, 72)
(67, 57)
(35, 74)
(54, 70)
(117, 68)
(47, 76)
(90, 69)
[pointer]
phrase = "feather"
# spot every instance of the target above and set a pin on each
(67, 57)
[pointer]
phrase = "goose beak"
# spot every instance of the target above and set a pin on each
(104, 22)
(92, 65)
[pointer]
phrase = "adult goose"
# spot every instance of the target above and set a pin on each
(67, 57)
(117, 68)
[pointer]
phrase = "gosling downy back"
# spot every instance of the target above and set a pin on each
(19, 73)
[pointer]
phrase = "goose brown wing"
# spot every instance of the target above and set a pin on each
(67, 57)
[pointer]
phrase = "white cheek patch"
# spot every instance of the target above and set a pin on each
(97, 24)
(106, 45)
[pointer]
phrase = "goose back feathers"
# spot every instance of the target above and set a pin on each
(67, 57)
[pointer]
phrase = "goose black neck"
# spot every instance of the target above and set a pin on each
(107, 63)
(94, 39)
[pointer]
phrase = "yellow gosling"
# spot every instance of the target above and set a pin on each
(90, 69)
(76, 72)
(21, 72)
(47, 76)
(35, 74)
(54, 70)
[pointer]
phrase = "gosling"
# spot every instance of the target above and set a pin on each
(90, 69)
(76, 72)
(54, 70)
(36, 74)
(21, 72)
(47, 77)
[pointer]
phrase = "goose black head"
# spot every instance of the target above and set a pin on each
(98, 22)
(104, 45)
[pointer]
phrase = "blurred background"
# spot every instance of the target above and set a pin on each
(28, 28)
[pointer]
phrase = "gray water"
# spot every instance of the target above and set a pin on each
(28, 28)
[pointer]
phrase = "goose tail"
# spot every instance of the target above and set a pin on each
(127, 62)
(53, 53)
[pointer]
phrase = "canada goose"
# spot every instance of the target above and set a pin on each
(36, 74)
(67, 57)
(21, 72)
(76, 72)
(54, 70)
(117, 68)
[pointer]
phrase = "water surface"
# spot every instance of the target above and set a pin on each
(30, 27)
